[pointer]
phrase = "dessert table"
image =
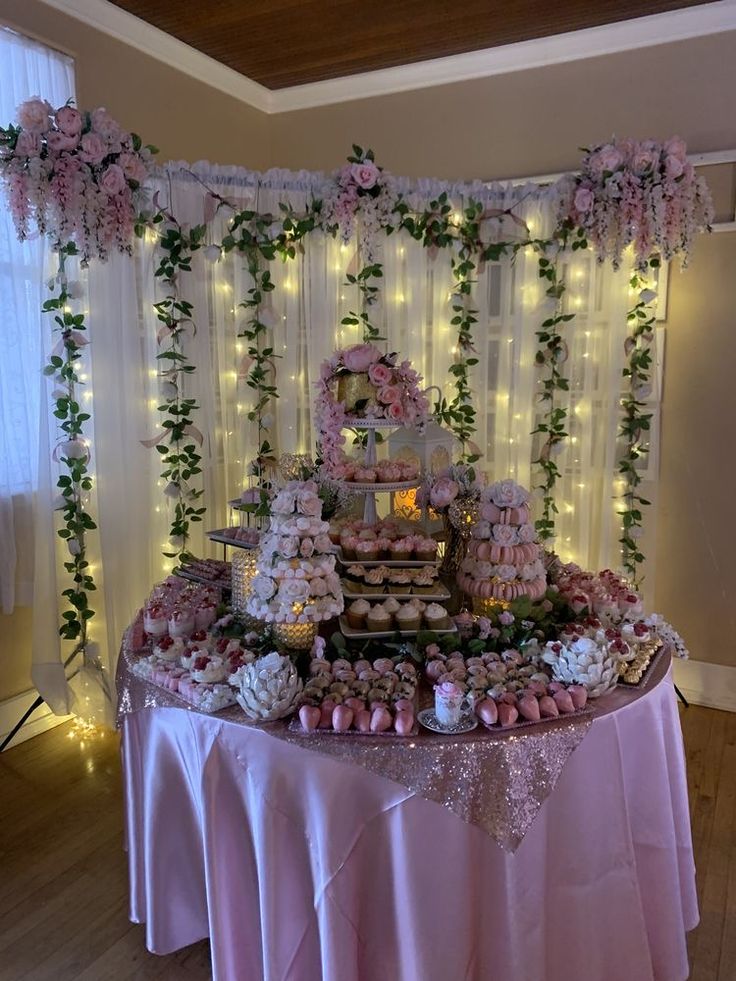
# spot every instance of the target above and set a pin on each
(300, 866)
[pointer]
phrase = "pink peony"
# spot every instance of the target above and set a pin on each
(69, 120)
(57, 142)
(379, 374)
(644, 159)
(360, 357)
(93, 149)
(396, 412)
(584, 199)
(104, 124)
(674, 166)
(610, 157)
(365, 174)
(676, 147)
(35, 115)
(443, 493)
(112, 181)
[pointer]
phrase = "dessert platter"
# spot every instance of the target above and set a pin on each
(213, 571)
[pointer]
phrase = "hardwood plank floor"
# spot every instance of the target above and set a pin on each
(63, 875)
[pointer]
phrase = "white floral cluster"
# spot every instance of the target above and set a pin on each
(504, 571)
(587, 661)
(668, 635)
(501, 534)
(296, 580)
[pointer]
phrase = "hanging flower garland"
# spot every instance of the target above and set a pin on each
(77, 178)
(640, 193)
(636, 421)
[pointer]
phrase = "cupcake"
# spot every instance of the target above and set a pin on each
(348, 544)
(357, 613)
(401, 550)
(367, 549)
(436, 617)
(365, 475)
(374, 580)
(392, 605)
(425, 549)
(408, 617)
(378, 619)
(399, 581)
(384, 548)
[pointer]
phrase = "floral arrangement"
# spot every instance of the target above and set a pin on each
(296, 580)
(389, 389)
(643, 193)
(440, 489)
(77, 176)
(362, 188)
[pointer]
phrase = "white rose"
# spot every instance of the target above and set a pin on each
(283, 503)
(504, 534)
(526, 534)
(263, 587)
(289, 546)
(293, 591)
(508, 494)
(506, 572)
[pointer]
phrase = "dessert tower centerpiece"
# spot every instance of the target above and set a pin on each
(504, 560)
(296, 586)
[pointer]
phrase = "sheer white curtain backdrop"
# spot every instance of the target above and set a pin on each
(26, 69)
(305, 311)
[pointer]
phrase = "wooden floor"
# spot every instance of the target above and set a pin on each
(63, 886)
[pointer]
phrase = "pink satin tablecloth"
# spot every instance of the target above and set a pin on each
(300, 867)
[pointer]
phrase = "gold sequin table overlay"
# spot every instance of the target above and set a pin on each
(497, 781)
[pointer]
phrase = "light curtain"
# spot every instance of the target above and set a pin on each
(305, 311)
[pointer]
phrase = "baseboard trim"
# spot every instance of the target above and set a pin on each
(712, 685)
(12, 709)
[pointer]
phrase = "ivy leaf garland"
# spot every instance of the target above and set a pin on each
(72, 452)
(180, 442)
(636, 421)
(552, 353)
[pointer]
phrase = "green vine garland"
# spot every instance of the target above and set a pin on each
(74, 455)
(636, 422)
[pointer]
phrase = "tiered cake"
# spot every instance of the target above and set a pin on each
(504, 558)
(296, 580)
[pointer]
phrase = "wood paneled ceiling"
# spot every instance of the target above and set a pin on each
(280, 43)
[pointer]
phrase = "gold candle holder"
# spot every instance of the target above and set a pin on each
(484, 607)
(294, 636)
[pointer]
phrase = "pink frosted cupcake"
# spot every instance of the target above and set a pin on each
(348, 545)
(357, 613)
(425, 549)
(367, 550)
(408, 617)
(401, 550)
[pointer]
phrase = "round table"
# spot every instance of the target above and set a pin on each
(301, 867)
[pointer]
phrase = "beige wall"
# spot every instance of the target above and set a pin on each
(528, 122)
(513, 125)
(185, 118)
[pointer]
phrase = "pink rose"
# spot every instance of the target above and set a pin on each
(34, 115)
(443, 493)
(396, 412)
(308, 503)
(289, 546)
(93, 149)
(57, 142)
(379, 374)
(584, 199)
(360, 357)
(644, 159)
(389, 394)
(674, 167)
(306, 549)
(365, 174)
(28, 144)
(610, 157)
(135, 170)
(112, 181)
(676, 147)
(322, 543)
(69, 120)
(104, 124)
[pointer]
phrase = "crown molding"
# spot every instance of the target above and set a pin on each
(628, 35)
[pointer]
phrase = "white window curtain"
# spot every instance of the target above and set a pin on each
(306, 308)
(26, 69)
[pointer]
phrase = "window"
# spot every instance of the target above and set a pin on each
(27, 68)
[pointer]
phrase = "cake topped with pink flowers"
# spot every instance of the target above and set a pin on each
(363, 382)
(504, 559)
(296, 580)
